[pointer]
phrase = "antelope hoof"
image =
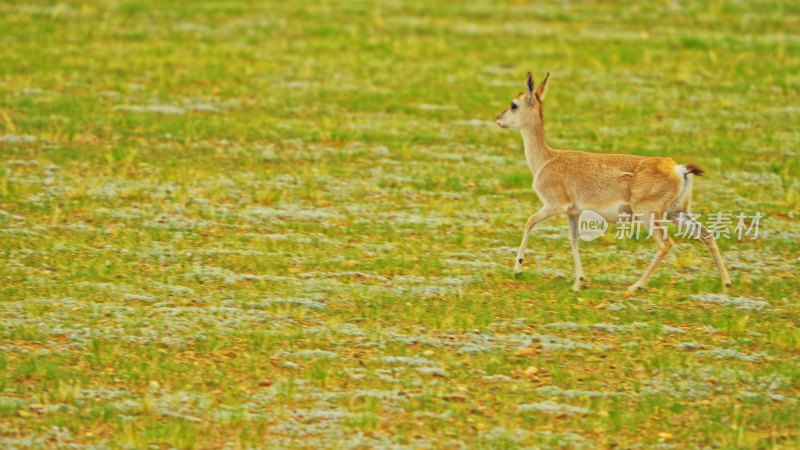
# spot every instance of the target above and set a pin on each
(517, 267)
(576, 286)
(634, 288)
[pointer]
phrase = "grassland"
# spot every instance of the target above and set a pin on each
(246, 224)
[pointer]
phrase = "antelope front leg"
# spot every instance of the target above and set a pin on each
(573, 238)
(542, 214)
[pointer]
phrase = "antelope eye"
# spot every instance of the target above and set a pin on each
(513, 105)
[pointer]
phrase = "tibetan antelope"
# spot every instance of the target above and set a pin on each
(570, 182)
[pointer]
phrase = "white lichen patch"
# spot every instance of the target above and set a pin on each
(182, 107)
(498, 378)
(555, 343)
(741, 303)
(432, 107)
(473, 348)
(138, 298)
(17, 139)
(671, 330)
(597, 326)
(472, 264)
(677, 388)
(289, 212)
(413, 361)
(732, 353)
(356, 275)
(302, 302)
(690, 346)
(160, 109)
(554, 391)
(311, 354)
(209, 274)
(552, 408)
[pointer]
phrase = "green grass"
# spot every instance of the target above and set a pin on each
(290, 224)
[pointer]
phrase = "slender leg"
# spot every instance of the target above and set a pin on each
(664, 244)
(545, 213)
(708, 238)
(573, 237)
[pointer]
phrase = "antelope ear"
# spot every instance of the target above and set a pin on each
(529, 88)
(541, 91)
